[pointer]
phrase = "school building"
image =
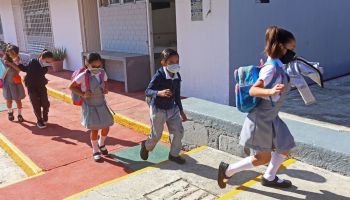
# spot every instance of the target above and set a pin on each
(213, 37)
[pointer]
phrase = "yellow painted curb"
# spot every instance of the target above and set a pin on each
(28, 166)
(252, 182)
(118, 118)
(128, 175)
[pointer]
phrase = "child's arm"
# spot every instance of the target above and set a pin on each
(75, 88)
(258, 90)
(13, 65)
(152, 91)
(106, 89)
(179, 104)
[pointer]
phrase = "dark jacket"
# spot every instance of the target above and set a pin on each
(158, 83)
(35, 77)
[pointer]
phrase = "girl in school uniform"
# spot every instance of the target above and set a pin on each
(166, 107)
(13, 89)
(263, 130)
(95, 112)
(35, 82)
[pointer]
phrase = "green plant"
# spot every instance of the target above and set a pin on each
(59, 54)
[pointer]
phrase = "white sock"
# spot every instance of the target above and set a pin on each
(276, 161)
(244, 164)
(19, 111)
(101, 141)
(10, 110)
(94, 144)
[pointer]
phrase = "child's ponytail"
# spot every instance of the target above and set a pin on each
(274, 37)
(46, 54)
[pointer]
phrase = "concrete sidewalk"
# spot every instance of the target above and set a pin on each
(197, 180)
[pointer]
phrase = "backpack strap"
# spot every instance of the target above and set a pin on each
(87, 79)
(277, 73)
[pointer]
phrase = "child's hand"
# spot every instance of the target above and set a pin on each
(88, 94)
(183, 116)
(165, 93)
(279, 88)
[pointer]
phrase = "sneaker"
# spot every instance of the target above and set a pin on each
(103, 150)
(222, 178)
(143, 151)
(97, 156)
(45, 119)
(275, 183)
(177, 159)
(40, 125)
(10, 116)
(20, 118)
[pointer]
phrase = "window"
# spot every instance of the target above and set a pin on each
(114, 1)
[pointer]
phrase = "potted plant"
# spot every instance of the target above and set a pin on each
(59, 54)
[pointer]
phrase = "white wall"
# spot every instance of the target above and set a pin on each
(204, 51)
(8, 23)
(66, 29)
(124, 28)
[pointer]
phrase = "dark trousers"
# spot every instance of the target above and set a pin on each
(39, 99)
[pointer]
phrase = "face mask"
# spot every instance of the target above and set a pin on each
(288, 57)
(94, 71)
(174, 68)
(45, 64)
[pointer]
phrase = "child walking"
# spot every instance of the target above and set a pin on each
(263, 130)
(13, 89)
(92, 85)
(35, 82)
(166, 107)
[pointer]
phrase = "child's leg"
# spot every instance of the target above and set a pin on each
(36, 103)
(9, 106)
(158, 119)
(45, 104)
(247, 163)
(276, 160)
(19, 107)
(94, 142)
(104, 134)
(176, 130)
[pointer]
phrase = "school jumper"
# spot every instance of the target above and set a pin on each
(95, 112)
(36, 82)
(12, 91)
(165, 110)
(263, 129)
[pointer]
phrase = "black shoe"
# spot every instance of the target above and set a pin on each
(20, 118)
(144, 151)
(103, 150)
(97, 156)
(10, 116)
(275, 183)
(178, 159)
(40, 125)
(222, 178)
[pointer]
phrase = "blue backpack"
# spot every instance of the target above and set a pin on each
(245, 78)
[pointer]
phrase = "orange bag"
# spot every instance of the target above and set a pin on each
(17, 79)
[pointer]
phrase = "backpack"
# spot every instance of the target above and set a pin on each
(77, 99)
(245, 78)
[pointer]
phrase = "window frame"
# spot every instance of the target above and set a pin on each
(122, 2)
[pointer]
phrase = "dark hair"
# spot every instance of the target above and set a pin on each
(274, 37)
(13, 48)
(46, 54)
(167, 53)
(91, 57)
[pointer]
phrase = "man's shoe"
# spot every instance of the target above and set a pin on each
(144, 151)
(178, 159)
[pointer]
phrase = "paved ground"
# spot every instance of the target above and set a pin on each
(332, 103)
(9, 171)
(197, 180)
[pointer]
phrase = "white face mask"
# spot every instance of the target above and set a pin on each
(94, 71)
(174, 68)
(45, 64)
